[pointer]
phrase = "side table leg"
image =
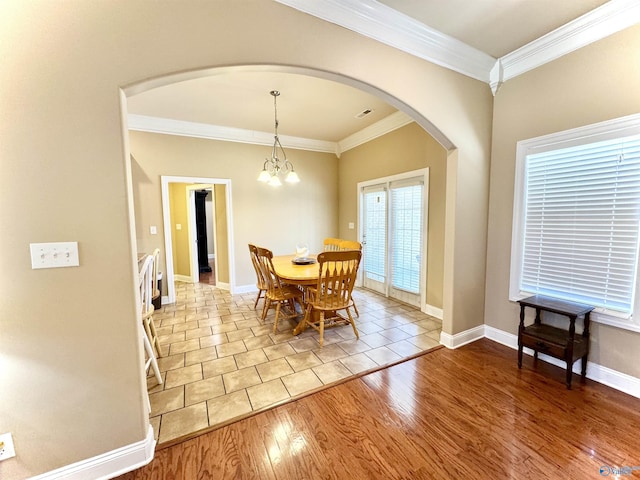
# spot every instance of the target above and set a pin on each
(520, 329)
(569, 375)
(584, 368)
(519, 355)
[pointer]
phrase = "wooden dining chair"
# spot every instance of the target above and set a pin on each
(351, 245)
(149, 335)
(261, 282)
(337, 276)
(332, 244)
(278, 293)
(155, 290)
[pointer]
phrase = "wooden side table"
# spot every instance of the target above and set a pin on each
(553, 341)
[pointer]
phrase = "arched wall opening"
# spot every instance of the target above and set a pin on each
(419, 119)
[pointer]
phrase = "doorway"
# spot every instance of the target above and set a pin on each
(181, 241)
(393, 218)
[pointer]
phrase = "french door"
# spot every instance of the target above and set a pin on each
(393, 220)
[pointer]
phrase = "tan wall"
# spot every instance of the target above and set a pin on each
(305, 211)
(403, 150)
(65, 156)
(179, 235)
(596, 83)
(222, 226)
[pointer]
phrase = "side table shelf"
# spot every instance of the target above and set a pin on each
(553, 341)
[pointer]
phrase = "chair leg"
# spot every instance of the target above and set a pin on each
(275, 322)
(255, 305)
(321, 327)
(355, 308)
(265, 308)
(353, 324)
(152, 359)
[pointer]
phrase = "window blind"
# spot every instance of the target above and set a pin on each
(375, 199)
(406, 234)
(582, 212)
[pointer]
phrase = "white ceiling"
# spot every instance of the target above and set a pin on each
(496, 27)
(319, 109)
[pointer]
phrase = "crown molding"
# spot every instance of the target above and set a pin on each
(168, 126)
(384, 24)
(382, 127)
(612, 17)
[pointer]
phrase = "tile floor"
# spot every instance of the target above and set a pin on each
(221, 362)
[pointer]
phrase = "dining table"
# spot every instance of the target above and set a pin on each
(302, 275)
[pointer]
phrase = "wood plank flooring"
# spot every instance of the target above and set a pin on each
(450, 414)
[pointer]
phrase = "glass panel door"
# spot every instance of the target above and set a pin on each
(374, 238)
(405, 248)
(393, 222)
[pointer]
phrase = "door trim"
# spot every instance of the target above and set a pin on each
(424, 173)
(166, 217)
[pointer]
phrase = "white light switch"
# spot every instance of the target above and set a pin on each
(178, 226)
(54, 255)
(153, 230)
(352, 225)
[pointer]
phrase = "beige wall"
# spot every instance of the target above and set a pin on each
(596, 83)
(403, 150)
(179, 235)
(64, 153)
(304, 212)
(222, 227)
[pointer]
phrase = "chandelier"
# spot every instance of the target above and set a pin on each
(275, 167)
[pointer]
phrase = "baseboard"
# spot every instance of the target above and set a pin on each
(182, 278)
(434, 311)
(224, 286)
(211, 256)
(108, 465)
(462, 338)
(245, 289)
(612, 378)
(165, 299)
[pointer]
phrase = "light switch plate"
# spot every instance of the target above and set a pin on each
(7, 449)
(54, 255)
(153, 230)
(352, 225)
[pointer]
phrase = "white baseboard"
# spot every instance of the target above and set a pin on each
(433, 311)
(224, 286)
(462, 338)
(182, 278)
(165, 299)
(612, 378)
(107, 465)
(211, 256)
(245, 289)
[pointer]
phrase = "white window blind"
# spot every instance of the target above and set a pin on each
(582, 214)
(375, 199)
(406, 234)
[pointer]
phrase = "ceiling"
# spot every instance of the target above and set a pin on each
(313, 108)
(496, 27)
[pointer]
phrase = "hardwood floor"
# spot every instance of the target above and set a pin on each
(208, 277)
(450, 414)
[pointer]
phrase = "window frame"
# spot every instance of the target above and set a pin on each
(610, 129)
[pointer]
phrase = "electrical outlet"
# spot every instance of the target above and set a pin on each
(6, 447)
